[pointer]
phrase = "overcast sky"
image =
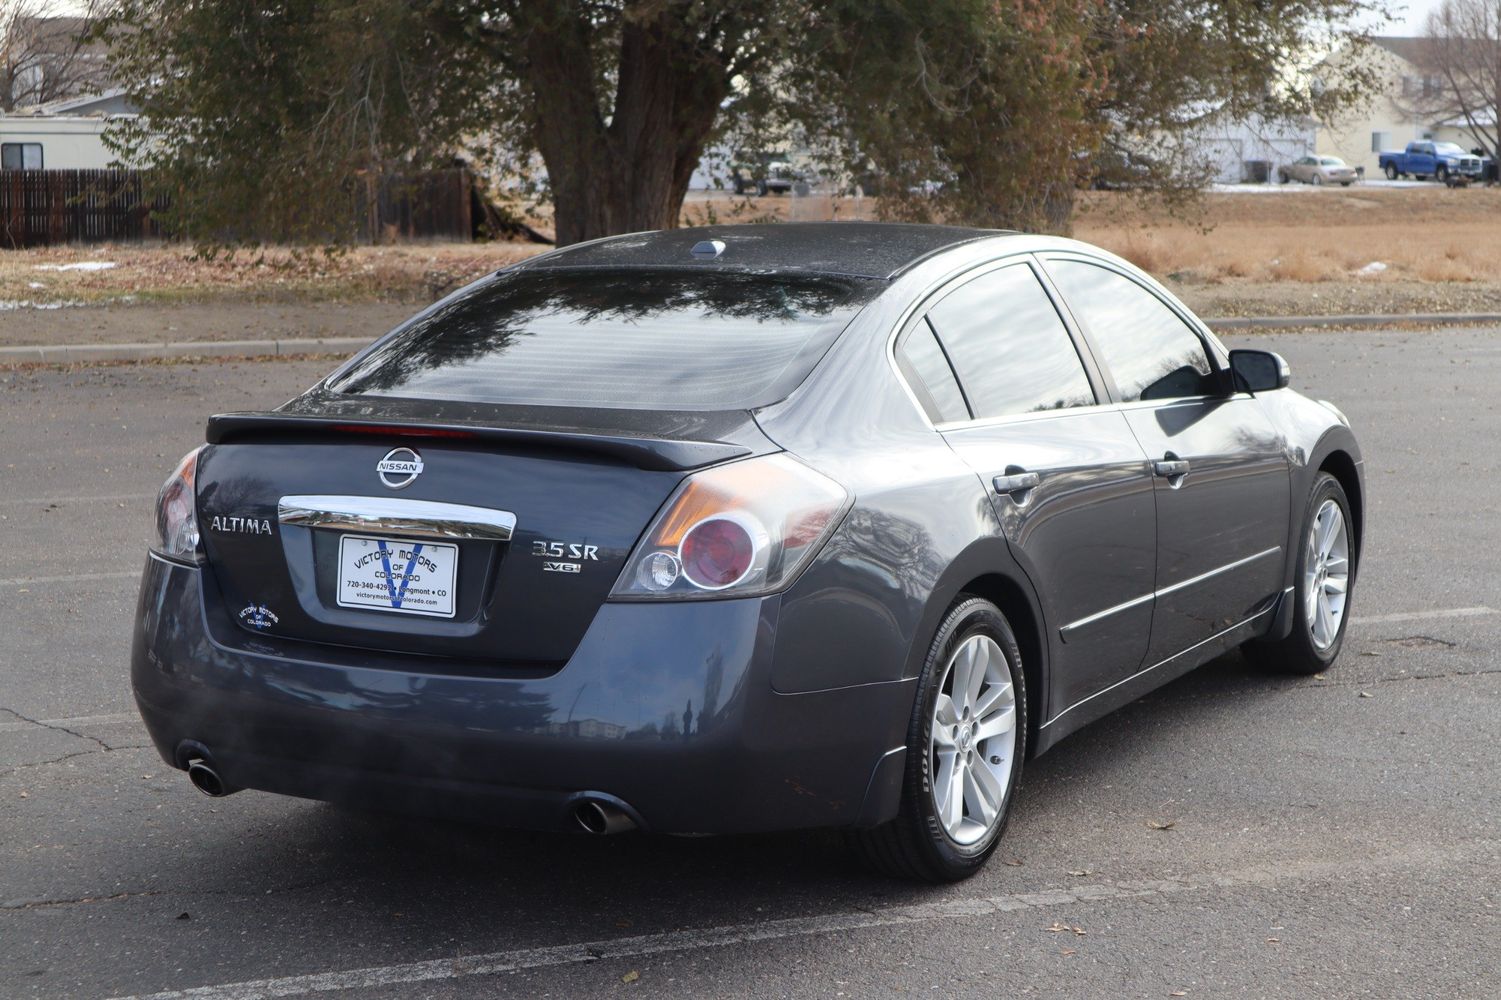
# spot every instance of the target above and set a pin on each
(1409, 17)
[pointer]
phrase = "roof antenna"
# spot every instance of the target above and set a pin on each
(707, 249)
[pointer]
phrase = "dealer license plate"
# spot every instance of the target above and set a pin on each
(392, 574)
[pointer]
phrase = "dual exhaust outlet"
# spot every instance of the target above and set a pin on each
(596, 814)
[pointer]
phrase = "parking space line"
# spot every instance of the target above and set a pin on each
(644, 945)
(60, 500)
(26, 581)
(1416, 616)
(78, 722)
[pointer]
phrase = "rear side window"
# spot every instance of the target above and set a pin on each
(1009, 347)
(928, 372)
(639, 340)
(1151, 352)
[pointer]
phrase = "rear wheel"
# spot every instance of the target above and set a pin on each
(965, 746)
(1322, 590)
(1318, 180)
(1391, 172)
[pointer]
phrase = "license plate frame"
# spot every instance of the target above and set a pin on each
(403, 576)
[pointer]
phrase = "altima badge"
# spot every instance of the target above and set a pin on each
(400, 468)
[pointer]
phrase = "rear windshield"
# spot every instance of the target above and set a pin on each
(640, 340)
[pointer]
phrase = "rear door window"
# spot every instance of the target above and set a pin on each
(1150, 350)
(637, 339)
(1009, 347)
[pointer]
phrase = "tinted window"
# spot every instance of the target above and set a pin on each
(1151, 352)
(1012, 352)
(671, 340)
(923, 363)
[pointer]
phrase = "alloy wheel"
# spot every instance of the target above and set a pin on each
(973, 741)
(1326, 574)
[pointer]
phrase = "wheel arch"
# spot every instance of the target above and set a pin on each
(1339, 464)
(1015, 601)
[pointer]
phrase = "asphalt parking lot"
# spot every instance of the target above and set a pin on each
(1231, 835)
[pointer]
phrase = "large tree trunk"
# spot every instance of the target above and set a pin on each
(632, 173)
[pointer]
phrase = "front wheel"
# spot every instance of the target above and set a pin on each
(1322, 587)
(1318, 180)
(1442, 174)
(965, 745)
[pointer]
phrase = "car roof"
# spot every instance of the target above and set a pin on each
(879, 250)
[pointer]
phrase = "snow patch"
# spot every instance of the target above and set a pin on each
(83, 265)
(1374, 267)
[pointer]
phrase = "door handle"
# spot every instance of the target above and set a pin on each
(1017, 485)
(1172, 468)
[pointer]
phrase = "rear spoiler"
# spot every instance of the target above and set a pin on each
(655, 454)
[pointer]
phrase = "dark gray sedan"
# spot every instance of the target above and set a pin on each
(742, 528)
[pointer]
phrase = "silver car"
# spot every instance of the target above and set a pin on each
(1318, 170)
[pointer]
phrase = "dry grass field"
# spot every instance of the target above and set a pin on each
(1279, 251)
(168, 274)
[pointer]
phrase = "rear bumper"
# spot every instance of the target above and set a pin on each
(666, 707)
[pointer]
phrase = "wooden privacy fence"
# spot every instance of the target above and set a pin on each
(43, 207)
(47, 207)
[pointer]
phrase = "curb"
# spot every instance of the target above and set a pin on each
(1356, 320)
(75, 353)
(84, 353)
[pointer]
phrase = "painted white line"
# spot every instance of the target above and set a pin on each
(108, 497)
(78, 722)
(656, 944)
(946, 910)
(27, 581)
(1417, 616)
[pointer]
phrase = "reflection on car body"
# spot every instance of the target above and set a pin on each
(856, 519)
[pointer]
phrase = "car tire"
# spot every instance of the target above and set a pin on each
(919, 844)
(1442, 174)
(1311, 647)
(1391, 172)
(1318, 180)
(761, 188)
(1283, 177)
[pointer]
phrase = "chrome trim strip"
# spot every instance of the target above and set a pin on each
(1063, 633)
(393, 516)
(1216, 572)
(1223, 632)
(1180, 585)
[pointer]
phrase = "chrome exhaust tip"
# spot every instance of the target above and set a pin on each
(603, 818)
(207, 780)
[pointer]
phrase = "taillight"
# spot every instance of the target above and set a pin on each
(735, 530)
(176, 518)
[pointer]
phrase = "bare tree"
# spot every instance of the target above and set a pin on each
(1460, 59)
(48, 51)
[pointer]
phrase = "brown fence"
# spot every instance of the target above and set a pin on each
(433, 204)
(45, 207)
(41, 207)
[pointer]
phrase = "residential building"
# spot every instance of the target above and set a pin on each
(1388, 120)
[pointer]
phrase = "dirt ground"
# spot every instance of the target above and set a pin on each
(1281, 251)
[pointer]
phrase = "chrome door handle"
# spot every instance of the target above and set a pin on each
(1170, 468)
(1017, 485)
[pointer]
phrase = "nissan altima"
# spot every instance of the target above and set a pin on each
(742, 528)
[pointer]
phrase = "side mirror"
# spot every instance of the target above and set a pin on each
(1259, 371)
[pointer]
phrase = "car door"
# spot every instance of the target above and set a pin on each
(1069, 484)
(1422, 160)
(1221, 469)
